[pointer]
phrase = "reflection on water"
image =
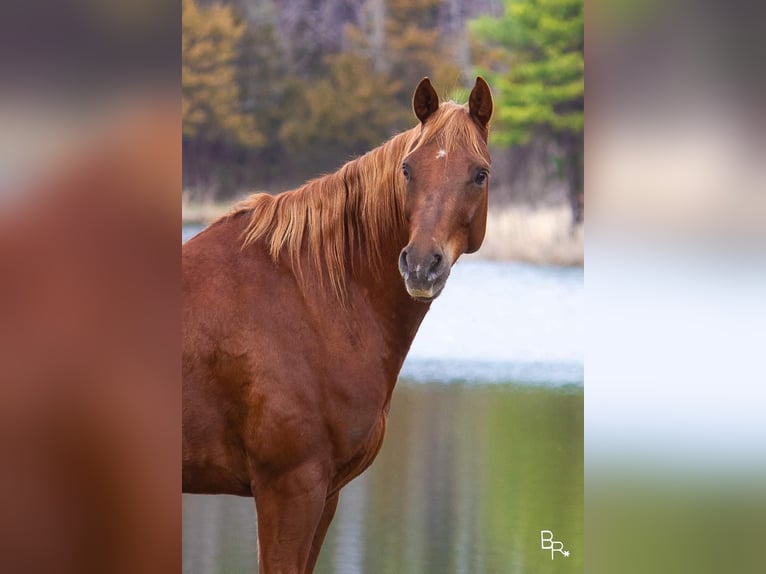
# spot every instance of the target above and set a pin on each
(467, 477)
(483, 449)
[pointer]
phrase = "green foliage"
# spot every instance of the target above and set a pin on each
(210, 93)
(532, 55)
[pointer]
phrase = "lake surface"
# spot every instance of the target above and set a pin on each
(483, 450)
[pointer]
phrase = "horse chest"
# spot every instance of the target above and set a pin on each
(355, 410)
(358, 394)
(367, 448)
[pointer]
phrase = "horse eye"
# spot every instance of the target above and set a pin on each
(481, 177)
(406, 171)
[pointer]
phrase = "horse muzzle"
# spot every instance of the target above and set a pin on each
(424, 274)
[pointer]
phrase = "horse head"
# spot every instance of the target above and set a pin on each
(447, 177)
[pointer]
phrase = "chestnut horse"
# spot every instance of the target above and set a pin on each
(299, 310)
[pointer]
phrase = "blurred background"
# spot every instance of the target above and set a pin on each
(275, 93)
(90, 179)
(675, 433)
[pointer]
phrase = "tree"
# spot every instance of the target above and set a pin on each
(532, 55)
(414, 46)
(349, 111)
(365, 91)
(210, 94)
(263, 78)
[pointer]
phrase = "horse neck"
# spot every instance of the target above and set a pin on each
(382, 287)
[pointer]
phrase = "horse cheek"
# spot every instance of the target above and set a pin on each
(478, 227)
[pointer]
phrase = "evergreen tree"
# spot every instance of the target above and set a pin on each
(532, 55)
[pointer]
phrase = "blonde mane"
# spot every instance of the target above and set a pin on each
(355, 209)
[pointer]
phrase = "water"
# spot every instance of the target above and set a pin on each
(483, 450)
(499, 322)
(189, 231)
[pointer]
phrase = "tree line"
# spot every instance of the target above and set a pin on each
(275, 92)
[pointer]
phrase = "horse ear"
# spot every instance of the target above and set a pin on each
(480, 102)
(425, 101)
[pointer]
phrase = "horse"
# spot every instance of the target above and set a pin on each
(299, 310)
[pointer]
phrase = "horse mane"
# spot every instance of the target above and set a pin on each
(355, 209)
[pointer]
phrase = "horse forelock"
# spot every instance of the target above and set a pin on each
(350, 215)
(453, 129)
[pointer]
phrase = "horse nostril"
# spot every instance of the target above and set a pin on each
(437, 259)
(403, 266)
